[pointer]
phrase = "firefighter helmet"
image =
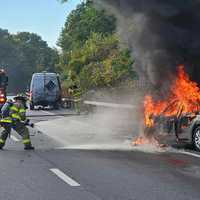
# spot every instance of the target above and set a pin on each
(21, 97)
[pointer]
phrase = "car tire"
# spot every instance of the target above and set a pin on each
(196, 138)
(31, 106)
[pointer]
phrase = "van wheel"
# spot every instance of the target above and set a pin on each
(31, 106)
(196, 138)
(56, 106)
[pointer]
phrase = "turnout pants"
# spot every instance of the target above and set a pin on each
(20, 128)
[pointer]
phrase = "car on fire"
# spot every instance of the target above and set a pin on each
(178, 112)
(185, 127)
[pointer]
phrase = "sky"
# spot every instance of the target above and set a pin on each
(44, 17)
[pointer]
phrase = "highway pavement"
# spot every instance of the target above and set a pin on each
(93, 167)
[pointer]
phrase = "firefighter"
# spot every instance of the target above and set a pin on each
(16, 119)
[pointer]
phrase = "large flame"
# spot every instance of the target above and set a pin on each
(184, 98)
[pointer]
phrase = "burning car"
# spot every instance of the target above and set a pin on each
(186, 128)
(178, 113)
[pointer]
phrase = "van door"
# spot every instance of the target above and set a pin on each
(51, 87)
(37, 86)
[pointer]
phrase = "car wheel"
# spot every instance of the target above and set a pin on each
(31, 106)
(196, 138)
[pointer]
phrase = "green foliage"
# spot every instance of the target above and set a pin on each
(91, 54)
(99, 63)
(23, 54)
(81, 23)
(36, 51)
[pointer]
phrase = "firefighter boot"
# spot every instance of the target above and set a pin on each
(2, 144)
(3, 137)
(24, 132)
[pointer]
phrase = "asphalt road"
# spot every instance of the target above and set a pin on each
(51, 173)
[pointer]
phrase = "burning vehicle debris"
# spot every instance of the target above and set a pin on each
(178, 113)
(161, 35)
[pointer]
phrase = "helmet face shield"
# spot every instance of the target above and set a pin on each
(20, 97)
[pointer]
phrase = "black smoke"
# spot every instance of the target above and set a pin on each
(161, 34)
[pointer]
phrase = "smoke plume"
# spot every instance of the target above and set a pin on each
(161, 34)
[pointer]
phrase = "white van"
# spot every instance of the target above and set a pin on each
(45, 90)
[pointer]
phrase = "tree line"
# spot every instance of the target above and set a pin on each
(21, 55)
(91, 56)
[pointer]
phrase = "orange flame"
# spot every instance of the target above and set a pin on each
(142, 140)
(184, 98)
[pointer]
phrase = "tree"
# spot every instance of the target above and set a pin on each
(99, 63)
(38, 54)
(91, 54)
(81, 23)
(21, 55)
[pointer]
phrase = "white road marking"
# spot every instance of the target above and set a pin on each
(65, 178)
(191, 154)
(15, 139)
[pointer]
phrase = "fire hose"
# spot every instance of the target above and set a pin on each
(54, 115)
(26, 123)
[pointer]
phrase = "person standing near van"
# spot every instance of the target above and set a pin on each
(16, 119)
